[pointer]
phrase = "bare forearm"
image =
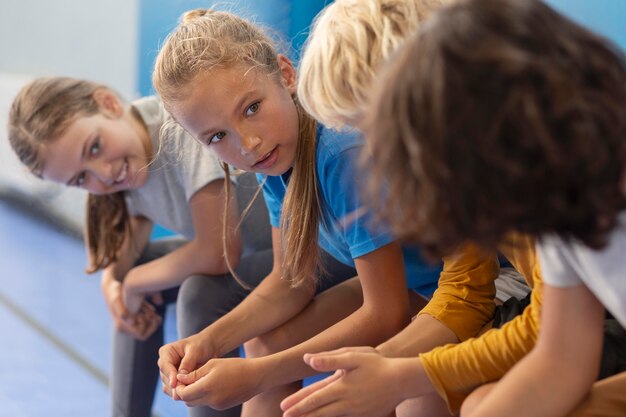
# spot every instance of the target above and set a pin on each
(172, 269)
(361, 328)
(268, 306)
(423, 334)
(537, 385)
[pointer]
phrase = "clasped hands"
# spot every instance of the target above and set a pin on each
(191, 371)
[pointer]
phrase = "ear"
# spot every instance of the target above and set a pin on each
(108, 103)
(287, 73)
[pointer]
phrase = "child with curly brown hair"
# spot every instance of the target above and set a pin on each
(502, 116)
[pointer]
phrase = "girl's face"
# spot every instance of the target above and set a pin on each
(103, 153)
(246, 116)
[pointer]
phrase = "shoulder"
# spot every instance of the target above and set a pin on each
(337, 147)
(337, 141)
(150, 109)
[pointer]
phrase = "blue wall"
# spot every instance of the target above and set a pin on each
(605, 17)
(158, 17)
(292, 18)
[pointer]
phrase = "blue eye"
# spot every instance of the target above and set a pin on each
(217, 137)
(95, 148)
(253, 109)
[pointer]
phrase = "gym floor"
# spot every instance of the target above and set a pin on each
(55, 348)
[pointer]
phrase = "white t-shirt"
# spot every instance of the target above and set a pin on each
(181, 167)
(603, 272)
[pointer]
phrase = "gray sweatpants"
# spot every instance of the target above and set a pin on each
(200, 301)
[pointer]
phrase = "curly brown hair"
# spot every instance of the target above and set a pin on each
(500, 115)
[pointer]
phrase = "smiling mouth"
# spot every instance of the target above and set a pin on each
(264, 160)
(121, 177)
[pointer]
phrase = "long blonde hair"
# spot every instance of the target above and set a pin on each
(205, 40)
(40, 114)
(349, 40)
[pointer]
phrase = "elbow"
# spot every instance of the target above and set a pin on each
(216, 261)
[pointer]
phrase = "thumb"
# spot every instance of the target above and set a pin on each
(188, 378)
(188, 362)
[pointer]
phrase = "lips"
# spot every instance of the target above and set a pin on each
(267, 160)
(123, 174)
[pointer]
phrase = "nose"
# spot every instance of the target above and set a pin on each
(102, 170)
(249, 143)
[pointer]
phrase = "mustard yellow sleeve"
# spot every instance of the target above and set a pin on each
(456, 370)
(464, 299)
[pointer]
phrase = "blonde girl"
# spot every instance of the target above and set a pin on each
(81, 133)
(349, 41)
(223, 81)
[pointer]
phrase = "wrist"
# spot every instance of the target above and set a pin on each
(412, 378)
(385, 350)
(108, 283)
(264, 369)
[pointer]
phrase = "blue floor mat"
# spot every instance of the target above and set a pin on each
(56, 331)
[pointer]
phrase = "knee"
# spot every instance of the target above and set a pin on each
(201, 301)
(426, 406)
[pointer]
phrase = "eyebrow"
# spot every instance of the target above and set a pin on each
(82, 158)
(245, 97)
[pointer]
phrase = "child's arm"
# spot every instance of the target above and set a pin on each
(202, 255)
(556, 375)
(362, 371)
(269, 305)
(384, 312)
(113, 275)
(460, 307)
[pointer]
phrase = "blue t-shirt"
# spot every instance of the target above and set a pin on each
(346, 230)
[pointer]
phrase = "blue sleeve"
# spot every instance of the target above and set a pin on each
(341, 183)
(272, 196)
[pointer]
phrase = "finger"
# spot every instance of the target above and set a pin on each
(328, 363)
(152, 326)
(119, 309)
(175, 394)
(299, 396)
(157, 298)
(147, 308)
(330, 409)
(141, 325)
(353, 349)
(167, 390)
(166, 386)
(188, 378)
(189, 363)
(168, 359)
(127, 328)
(190, 394)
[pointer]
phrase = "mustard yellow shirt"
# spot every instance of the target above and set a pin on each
(464, 299)
(455, 370)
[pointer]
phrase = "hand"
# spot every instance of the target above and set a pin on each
(183, 356)
(360, 372)
(221, 383)
(132, 300)
(139, 326)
